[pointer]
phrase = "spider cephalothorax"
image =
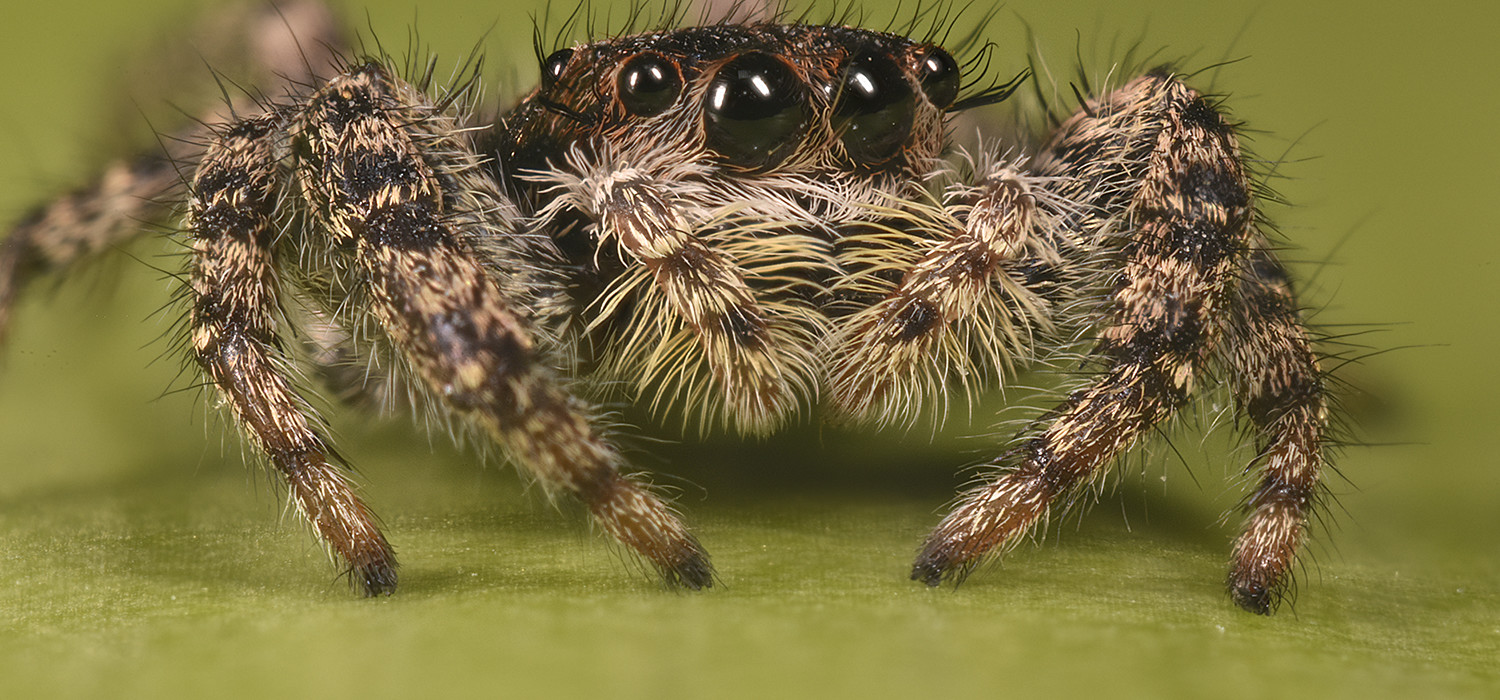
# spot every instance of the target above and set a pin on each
(742, 225)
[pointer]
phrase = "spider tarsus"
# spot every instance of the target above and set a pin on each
(936, 564)
(929, 569)
(1253, 596)
(694, 571)
(376, 580)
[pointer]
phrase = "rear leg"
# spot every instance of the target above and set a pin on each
(283, 45)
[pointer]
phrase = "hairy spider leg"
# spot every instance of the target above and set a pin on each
(232, 218)
(467, 340)
(1161, 156)
(742, 342)
(884, 358)
(109, 212)
(1279, 386)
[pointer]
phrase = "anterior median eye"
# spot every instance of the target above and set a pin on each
(874, 110)
(756, 112)
(648, 84)
(940, 76)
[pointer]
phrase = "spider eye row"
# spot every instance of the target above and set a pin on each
(756, 108)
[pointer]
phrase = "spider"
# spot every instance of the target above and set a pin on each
(741, 226)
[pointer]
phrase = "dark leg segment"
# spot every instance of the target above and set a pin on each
(234, 304)
(1155, 158)
(466, 338)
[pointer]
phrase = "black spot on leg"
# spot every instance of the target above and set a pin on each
(1202, 114)
(1266, 304)
(454, 337)
(1215, 184)
(219, 222)
(408, 227)
(1178, 332)
(1297, 391)
(1181, 331)
(459, 342)
(1202, 243)
(690, 262)
(1268, 290)
(368, 172)
(914, 319)
(337, 109)
(1040, 461)
(214, 179)
(1268, 270)
(1273, 490)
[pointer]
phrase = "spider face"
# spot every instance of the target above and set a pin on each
(734, 202)
(748, 224)
(754, 99)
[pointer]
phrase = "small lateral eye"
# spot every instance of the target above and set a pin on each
(939, 75)
(874, 110)
(648, 84)
(553, 67)
(756, 111)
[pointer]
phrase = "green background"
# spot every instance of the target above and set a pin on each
(138, 557)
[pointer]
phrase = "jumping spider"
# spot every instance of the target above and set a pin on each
(742, 225)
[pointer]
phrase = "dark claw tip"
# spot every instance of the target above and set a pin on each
(1253, 597)
(376, 579)
(694, 572)
(930, 568)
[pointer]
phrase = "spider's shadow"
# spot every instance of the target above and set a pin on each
(850, 467)
(154, 515)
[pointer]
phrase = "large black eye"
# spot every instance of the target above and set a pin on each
(874, 109)
(940, 76)
(648, 84)
(553, 67)
(756, 112)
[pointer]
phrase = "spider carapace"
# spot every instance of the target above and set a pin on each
(740, 226)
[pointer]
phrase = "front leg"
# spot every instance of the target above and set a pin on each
(234, 294)
(1156, 161)
(466, 336)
